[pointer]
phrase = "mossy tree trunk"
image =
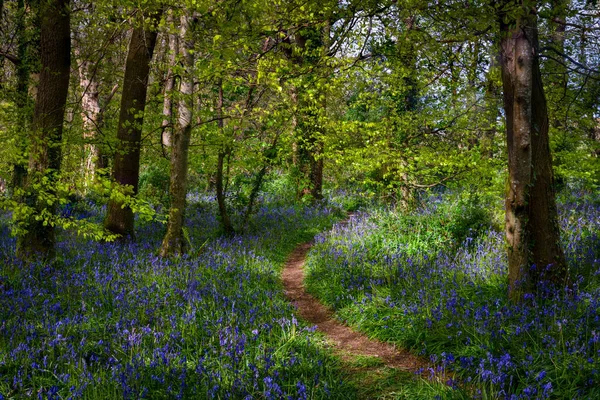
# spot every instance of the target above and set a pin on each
(532, 231)
(306, 50)
(174, 242)
(126, 168)
(26, 65)
(37, 238)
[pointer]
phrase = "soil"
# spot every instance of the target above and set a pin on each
(347, 343)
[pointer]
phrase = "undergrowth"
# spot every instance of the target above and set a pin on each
(436, 282)
(114, 321)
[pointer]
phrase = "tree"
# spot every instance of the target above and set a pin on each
(24, 55)
(406, 101)
(126, 168)
(532, 229)
(224, 151)
(95, 46)
(172, 47)
(174, 241)
(37, 236)
(305, 52)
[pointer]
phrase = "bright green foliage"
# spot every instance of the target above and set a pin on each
(400, 96)
(398, 99)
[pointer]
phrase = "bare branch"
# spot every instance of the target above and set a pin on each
(564, 56)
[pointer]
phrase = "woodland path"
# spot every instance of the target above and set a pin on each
(347, 343)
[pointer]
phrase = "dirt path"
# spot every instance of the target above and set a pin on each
(347, 343)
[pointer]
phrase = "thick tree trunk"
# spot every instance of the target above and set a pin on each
(174, 242)
(1, 19)
(294, 100)
(126, 168)
(45, 151)
(532, 230)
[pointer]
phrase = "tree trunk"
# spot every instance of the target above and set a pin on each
(126, 168)
(491, 109)
(316, 170)
(225, 220)
(45, 153)
(90, 115)
(308, 150)
(558, 74)
(268, 160)
(172, 50)
(224, 152)
(532, 230)
(23, 99)
(308, 144)
(407, 55)
(294, 101)
(174, 242)
(595, 136)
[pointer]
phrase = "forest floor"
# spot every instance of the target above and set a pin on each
(374, 366)
(110, 321)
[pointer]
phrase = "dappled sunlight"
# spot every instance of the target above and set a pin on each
(110, 318)
(453, 305)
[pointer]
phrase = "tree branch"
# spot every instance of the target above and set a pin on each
(564, 56)
(13, 59)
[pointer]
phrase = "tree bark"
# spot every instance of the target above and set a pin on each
(23, 99)
(316, 169)
(407, 55)
(595, 136)
(558, 74)
(308, 146)
(224, 152)
(2, 59)
(91, 117)
(45, 154)
(225, 220)
(173, 49)
(126, 168)
(532, 230)
(174, 242)
(491, 108)
(268, 160)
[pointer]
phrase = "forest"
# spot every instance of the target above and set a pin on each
(299, 199)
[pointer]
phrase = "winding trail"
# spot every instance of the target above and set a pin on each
(347, 343)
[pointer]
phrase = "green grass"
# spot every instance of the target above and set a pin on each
(435, 282)
(114, 321)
